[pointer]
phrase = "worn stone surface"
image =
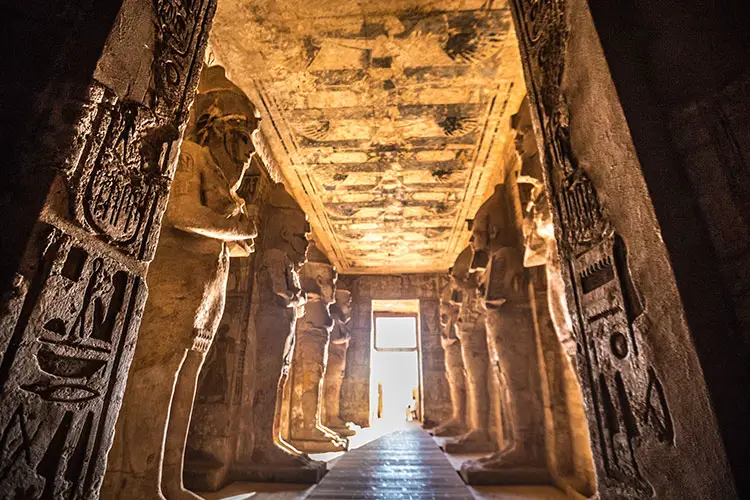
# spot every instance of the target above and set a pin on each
(646, 400)
(693, 155)
(341, 312)
(512, 342)
(280, 298)
(454, 365)
(188, 281)
(312, 336)
(386, 119)
(568, 446)
(355, 392)
(475, 356)
(68, 324)
(223, 404)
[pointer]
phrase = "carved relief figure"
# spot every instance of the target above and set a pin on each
(512, 342)
(69, 322)
(307, 432)
(187, 279)
(473, 341)
(626, 403)
(450, 304)
(280, 299)
(341, 312)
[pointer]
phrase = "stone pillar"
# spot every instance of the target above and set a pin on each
(205, 221)
(282, 254)
(662, 366)
(220, 416)
(454, 366)
(306, 429)
(472, 334)
(512, 342)
(336, 368)
(568, 445)
(94, 148)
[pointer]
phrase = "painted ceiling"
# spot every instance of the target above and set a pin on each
(387, 119)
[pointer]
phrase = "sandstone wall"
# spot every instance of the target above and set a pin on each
(648, 406)
(355, 397)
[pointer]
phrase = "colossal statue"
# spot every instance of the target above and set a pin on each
(341, 312)
(307, 432)
(471, 328)
(573, 459)
(187, 282)
(450, 304)
(511, 340)
(281, 301)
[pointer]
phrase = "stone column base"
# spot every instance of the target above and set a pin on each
(478, 475)
(320, 445)
(269, 473)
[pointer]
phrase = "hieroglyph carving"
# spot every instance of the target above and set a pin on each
(625, 401)
(69, 326)
(120, 169)
(62, 369)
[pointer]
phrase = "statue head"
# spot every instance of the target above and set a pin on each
(464, 280)
(285, 225)
(492, 228)
(224, 122)
(318, 277)
(342, 308)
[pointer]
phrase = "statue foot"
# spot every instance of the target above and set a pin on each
(343, 431)
(278, 457)
(510, 467)
(474, 441)
(339, 427)
(316, 434)
(277, 466)
(318, 440)
(182, 494)
(448, 429)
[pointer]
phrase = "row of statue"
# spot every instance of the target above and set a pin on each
(302, 324)
(206, 222)
(487, 326)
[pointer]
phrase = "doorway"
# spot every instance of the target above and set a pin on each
(395, 369)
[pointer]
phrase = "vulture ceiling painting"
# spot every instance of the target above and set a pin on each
(388, 119)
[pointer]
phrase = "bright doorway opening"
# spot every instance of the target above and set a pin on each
(395, 380)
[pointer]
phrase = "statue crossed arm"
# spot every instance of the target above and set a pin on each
(228, 220)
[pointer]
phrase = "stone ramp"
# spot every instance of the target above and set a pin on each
(405, 464)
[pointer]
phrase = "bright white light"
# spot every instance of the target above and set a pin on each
(394, 332)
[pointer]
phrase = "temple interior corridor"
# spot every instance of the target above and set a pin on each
(374, 249)
(402, 464)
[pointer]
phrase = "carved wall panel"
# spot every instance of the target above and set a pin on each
(626, 404)
(355, 398)
(70, 324)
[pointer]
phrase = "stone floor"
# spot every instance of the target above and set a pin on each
(404, 464)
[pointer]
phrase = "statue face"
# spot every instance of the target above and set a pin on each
(238, 143)
(344, 304)
(235, 147)
(294, 234)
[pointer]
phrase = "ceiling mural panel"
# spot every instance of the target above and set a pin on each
(387, 119)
